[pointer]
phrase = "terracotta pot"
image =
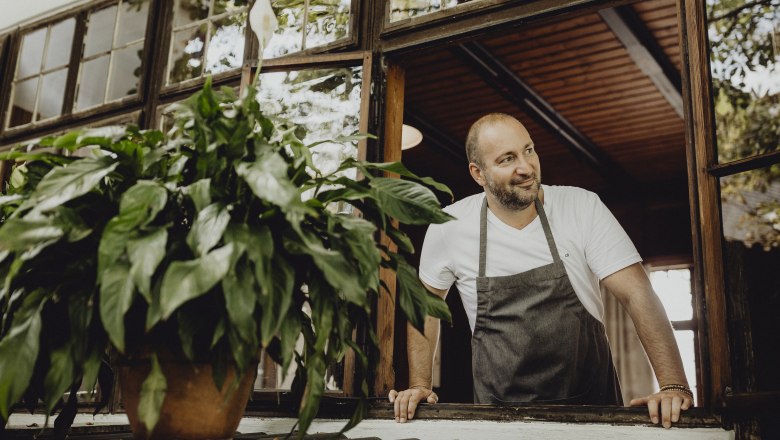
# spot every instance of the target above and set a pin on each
(193, 407)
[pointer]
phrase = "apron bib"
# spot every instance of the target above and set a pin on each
(533, 339)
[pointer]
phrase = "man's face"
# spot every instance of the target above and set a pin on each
(509, 168)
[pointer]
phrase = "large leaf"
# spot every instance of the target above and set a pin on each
(200, 193)
(312, 393)
(21, 234)
(358, 236)
(146, 253)
(400, 169)
(59, 377)
(334, 265)
(18, 352)
(152, 396)
(415, 300)
(66, 183)
(186, 280)
(116, 297)
(207, 229)
(409, 202)
(240, 299)
(277, 302)
(267, 178)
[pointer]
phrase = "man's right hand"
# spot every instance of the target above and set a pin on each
(406, 401)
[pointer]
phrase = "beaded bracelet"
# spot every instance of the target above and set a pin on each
(678, 387)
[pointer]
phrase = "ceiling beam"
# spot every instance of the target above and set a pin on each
(507, 83)
(433, 136)
(642, 47)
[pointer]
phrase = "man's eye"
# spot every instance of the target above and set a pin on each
(506, 159)
(529, 151)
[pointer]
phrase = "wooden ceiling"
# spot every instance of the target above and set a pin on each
(580, 69)
(612, 87)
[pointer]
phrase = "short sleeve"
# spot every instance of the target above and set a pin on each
(435, 266)
(608, 247)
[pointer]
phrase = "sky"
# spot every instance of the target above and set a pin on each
(16, 11)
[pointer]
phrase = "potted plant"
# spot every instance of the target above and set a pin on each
(198, 249)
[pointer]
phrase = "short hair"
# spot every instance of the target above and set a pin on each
(472, 139)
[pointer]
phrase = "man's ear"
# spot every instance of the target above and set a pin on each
(476, 174)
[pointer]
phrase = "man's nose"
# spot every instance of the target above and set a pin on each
(523, 167)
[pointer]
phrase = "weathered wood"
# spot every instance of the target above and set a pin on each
(385, 312)
(155, 67)
(297, 61)
(748, 163)
(706, 198)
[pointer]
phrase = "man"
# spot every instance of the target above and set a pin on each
(528, 260)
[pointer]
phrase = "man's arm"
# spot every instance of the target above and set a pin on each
(420, 351)
(632, 288)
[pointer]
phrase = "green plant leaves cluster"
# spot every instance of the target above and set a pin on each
(214, 242)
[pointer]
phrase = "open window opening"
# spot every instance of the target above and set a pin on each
(600, 94)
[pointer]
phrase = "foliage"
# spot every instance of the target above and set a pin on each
(744, 39)
(198, 242)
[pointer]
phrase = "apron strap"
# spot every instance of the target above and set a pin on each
(483, 237)
(547, 231)
(483, 234)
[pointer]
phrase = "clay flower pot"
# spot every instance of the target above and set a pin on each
(193, 407)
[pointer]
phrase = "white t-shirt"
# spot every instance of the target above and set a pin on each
(590, 241)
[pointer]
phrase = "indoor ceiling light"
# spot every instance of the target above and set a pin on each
(410, 137)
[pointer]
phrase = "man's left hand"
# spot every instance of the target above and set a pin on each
(671, 402)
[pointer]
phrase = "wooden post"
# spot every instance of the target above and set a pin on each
(705, 191)
(385, 327)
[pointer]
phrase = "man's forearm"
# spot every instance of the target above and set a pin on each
(420, 350)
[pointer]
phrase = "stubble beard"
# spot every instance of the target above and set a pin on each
(514, 198)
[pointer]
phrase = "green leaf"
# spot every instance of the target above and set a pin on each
(415, 300)
(21, 234)
(116, 297)
(276, 303)
(152, 396)
(200, 193)
(267, 178)
(259, 244)
(186, 280)
(315, 388)
(65, 183)
(207, 229)
(334, 265)
(18, 352)
(400, 239)
(400, 169)
(240, 299)
(289, 331)
(409, 202)
(59, 377)
(146, 253)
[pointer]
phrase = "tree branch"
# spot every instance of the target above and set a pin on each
(736, 11)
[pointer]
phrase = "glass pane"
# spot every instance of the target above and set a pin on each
(125, 71)
(673, 287)
(52, 94)
(228, 6)
(186, 54)
(189, 11)
(685, 344)
(60, 44)
(23, 103)
(132, 21)
(226, 47)
(751, 231)
(100, 31)
(401, 9)
(288, 37)
(745, 52)
(31, 54)
(92, 83)
(328, 21)
(325, 103)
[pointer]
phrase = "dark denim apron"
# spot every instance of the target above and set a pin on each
(534, 340)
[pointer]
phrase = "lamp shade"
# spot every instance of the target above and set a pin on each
(410, 137)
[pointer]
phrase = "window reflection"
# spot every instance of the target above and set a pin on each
(325, 22)
(214, 29)
(751, 230)
(751, 208)
(744, 40)
(41, 73)
(113, 52)
(325, 103)
(402, 9)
